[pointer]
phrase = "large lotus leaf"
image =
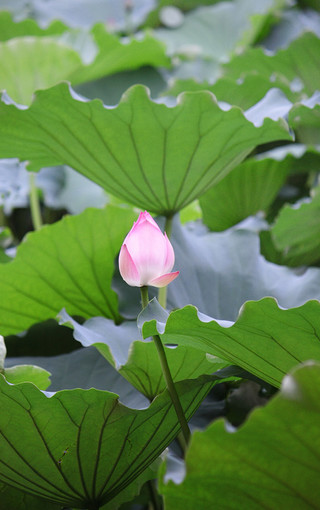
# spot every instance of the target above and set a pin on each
(296, 232)
(266, 340)
(172, 156)
(136, 360)
(249, 188)
(215, 31)
(272, 461)
(69, 263)
(80, 448)
(296, 66)
(31, 63)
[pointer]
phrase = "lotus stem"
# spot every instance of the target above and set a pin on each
(168, 379)
(34, 203)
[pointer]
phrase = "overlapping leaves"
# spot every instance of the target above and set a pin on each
(278, 450)
(265, 340)
(76, 57)
(137, 360)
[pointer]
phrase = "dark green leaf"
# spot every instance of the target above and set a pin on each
(81, 448)
(19, 500)
(272, 461)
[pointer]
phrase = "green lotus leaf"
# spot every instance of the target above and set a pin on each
(278, 450)
(81, 448)
(266, 340)
(171, 156)
(296, 232)
(69, 263)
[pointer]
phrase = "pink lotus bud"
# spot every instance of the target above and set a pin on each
(146, 256)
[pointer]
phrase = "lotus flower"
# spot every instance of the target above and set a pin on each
(146, 256)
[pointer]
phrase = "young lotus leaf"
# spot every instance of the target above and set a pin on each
(80, 448)
(266, 340)
(69, 263)
(278, 450)
(172, 156)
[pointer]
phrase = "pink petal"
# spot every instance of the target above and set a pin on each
(147, 248)
(127, 268)
(146, 216)
(164, 280)
(169, 262)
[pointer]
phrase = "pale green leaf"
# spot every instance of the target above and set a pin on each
(31, 63)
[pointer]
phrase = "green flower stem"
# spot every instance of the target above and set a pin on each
(168, 378)
(162, 294)
(34, 203)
